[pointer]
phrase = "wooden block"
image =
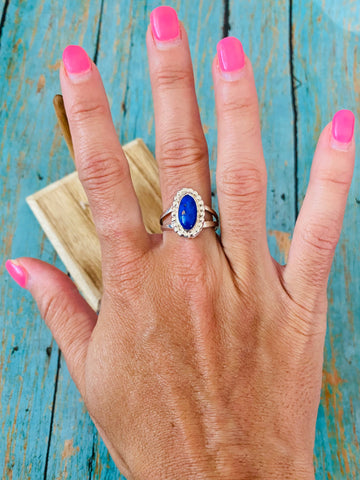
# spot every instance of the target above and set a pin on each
(63, 212)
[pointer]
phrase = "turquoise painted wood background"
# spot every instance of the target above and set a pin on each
(306, 56)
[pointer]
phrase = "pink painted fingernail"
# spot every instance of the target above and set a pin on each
(76, 61)
(231, 57)
(343, 125)
(164, 25)
(17, 272)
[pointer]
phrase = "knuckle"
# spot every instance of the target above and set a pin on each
(305, 318)
(99, 171)
(108, 228)
(170, 79)
(131, 272)
(102, 174)
(340, 183)
(246, 182)
(55, 310)
(322, 236)
(87, 110)
(245, 105)
(181, 151)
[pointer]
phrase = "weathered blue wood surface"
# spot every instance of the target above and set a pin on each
(301, 78)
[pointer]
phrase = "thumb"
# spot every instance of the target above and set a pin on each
(70, 319)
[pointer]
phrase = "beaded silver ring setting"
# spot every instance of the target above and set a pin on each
(187, 214)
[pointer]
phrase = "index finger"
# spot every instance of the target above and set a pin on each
(100, 161)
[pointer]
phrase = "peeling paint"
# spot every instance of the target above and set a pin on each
(283, 241)
(69, 449)
(41, 83)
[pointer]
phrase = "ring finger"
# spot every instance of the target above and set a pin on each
(181, 148)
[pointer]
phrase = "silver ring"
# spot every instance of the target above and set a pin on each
(188, 214)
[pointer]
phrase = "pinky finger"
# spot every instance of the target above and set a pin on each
(319, 224)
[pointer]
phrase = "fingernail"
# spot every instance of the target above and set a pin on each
(343, 125)
(165, 26)
(76, 62)
(17, 272)
(231, 57)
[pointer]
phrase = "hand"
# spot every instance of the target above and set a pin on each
(206, 358)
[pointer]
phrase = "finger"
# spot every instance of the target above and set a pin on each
(100, 160)
(318, 227)
(181, 148)
(241, 170)
(66, 313)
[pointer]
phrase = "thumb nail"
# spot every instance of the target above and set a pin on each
(17, 272)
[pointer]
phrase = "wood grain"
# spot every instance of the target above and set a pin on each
(63, 211)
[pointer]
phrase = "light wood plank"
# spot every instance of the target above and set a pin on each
(64, 214)
(327, 68)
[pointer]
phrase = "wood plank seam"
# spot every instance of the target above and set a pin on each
(226, 23)
(293, 80)
(98, 35)
(52, 414)
(3, 18)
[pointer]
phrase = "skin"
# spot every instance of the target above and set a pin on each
(206, 358)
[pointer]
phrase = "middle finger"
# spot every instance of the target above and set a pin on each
(181, 148)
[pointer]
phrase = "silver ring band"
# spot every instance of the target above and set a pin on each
(188, 214)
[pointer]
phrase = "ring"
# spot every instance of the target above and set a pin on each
(188, 214)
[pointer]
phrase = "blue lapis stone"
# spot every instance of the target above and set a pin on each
(187, 212)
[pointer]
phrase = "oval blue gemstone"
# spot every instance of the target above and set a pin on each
(187, 212)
